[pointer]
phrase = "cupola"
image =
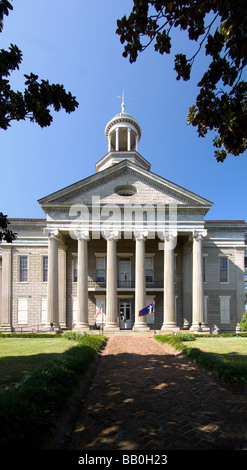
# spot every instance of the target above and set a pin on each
(123, 134)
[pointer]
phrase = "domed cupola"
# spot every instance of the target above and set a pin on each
(123, 134)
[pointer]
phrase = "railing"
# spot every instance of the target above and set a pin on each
(125, 284)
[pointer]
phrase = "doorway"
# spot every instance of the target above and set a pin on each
(124, 314)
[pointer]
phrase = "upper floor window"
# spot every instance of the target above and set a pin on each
(100, 268)
(45, 268)
(224, 269)
(23, 268)
(149, 267)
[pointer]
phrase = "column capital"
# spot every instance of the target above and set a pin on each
(51, 234)
(82, 234)
(199, 234)
(170, 235)
(140, 234)
(111, 234)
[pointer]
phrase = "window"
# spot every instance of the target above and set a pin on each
(22, 310)
(224, 271)
(45, 268)
(23, 268)
(225, 309)
(149, 267)
(124, 271)
(100, 268)
(75, 268)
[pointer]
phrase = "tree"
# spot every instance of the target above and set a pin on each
(220, 26)
(33, 104)
(5, 233)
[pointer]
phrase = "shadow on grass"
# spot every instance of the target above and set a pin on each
(13, 369)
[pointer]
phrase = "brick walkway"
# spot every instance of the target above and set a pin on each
(145, 396)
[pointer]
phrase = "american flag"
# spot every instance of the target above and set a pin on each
(99, 311)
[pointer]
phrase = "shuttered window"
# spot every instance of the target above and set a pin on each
(225, 309)
(22, 310)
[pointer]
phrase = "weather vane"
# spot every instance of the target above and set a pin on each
(123, 104)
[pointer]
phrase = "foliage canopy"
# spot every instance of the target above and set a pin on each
(35, 102)
(220, 26)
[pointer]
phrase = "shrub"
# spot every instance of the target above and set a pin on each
(243, 322)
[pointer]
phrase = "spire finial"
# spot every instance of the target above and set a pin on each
(123, 104)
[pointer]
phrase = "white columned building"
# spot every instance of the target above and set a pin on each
(120, 240)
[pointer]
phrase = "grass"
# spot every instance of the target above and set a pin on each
(31, 409)
(19, 356)
(225, 356)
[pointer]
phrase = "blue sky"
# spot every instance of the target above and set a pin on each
(74, 43)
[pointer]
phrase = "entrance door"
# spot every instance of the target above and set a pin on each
(125, 315)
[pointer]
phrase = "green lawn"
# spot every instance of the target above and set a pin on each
(19, 356)
(229, 348)
(226, 356)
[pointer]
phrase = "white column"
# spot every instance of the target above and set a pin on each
(52, 287)
(187, 284)
(129, 139)
(136, 142)
(109, 142)
(82, 280)
(117, 139)
(169, 321)
(5, 320)
(112, 321)
(62, 255)
(197, 282)
(140, 281)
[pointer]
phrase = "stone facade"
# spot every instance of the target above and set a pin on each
(122, 239)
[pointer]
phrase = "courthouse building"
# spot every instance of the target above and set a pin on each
(118, 241)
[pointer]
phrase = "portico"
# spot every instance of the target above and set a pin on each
(115, 291)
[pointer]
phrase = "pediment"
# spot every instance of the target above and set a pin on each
(149, 189)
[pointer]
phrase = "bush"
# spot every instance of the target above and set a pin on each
(243, 323)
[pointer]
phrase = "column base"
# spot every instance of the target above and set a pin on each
(141, 327)
(200, 328)
(170, 326)
(6, 328)
(111, 326)
(81, 326)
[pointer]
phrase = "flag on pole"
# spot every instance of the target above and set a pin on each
(99, 311)
(147, 310)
